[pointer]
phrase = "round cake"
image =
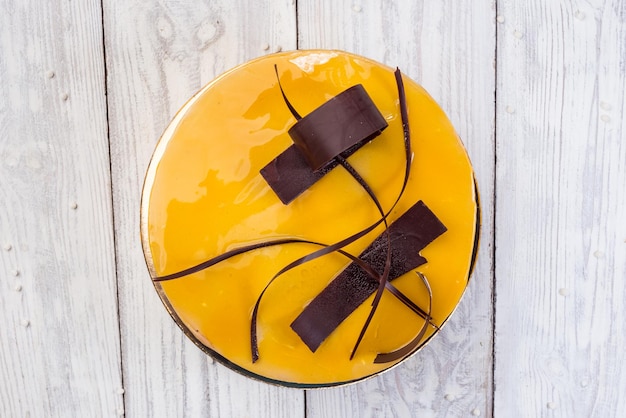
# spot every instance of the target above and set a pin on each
(310, 218)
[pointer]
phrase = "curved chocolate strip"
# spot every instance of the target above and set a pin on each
(409, 234)
(477, 233)
(407, 145)
(404, 115)
(255, 311)
(226, 256)
(310, 257)
(357, 261)
(415, 343)
(287, 102)
(290, 174)
(229, 254)
(350, 239)
(384, 278)
(328, 249)
(409, 303)
(306, 327)
(347, 119)
(237, 251)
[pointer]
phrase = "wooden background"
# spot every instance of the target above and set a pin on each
(536, 89)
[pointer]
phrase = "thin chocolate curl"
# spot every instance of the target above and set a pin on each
(348, 119)
(292, 109)
(407, 140)
(358, 121)
(417, 341)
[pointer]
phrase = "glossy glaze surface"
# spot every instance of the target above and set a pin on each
(204, 196)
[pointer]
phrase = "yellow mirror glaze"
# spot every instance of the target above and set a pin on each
(204, 195)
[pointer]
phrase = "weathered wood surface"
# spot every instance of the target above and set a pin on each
(158, 55)
(561, 209)
(59, 338)
(86, 88)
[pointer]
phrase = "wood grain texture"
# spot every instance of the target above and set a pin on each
(561, 230)
(560, 182)
(60, 352)
(159, 53)
(449, 48)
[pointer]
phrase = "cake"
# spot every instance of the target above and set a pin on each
(310, 218)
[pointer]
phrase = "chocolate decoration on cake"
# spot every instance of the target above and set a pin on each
(411, 233)
(216, 237)
(338, 127)
(415, 342)
(354, 120)
(346, 120)
(313, 332)
(289, 175)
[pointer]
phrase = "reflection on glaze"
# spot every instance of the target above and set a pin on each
(308, 62)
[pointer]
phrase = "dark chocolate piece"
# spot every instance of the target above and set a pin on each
(412, 232)
(289, 175)
(340, 126)
(347, 119)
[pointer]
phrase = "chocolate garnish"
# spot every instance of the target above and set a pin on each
(408, 157)
(348, 119)
(287, 102)
(337, 246)
(382, 280)
(415, 342)
(300, 261)
(289, 175)
(338, 127)
(409, 303)
(409, 234)
(228, 254)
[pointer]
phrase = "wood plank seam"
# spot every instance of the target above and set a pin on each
(494, 214)
(115, 248)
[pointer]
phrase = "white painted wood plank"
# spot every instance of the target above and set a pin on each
(60, 351)
(158, 54)
(449, 48)
(561, 230)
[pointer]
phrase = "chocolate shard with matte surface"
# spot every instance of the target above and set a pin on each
(409, 234)
(348, 119)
